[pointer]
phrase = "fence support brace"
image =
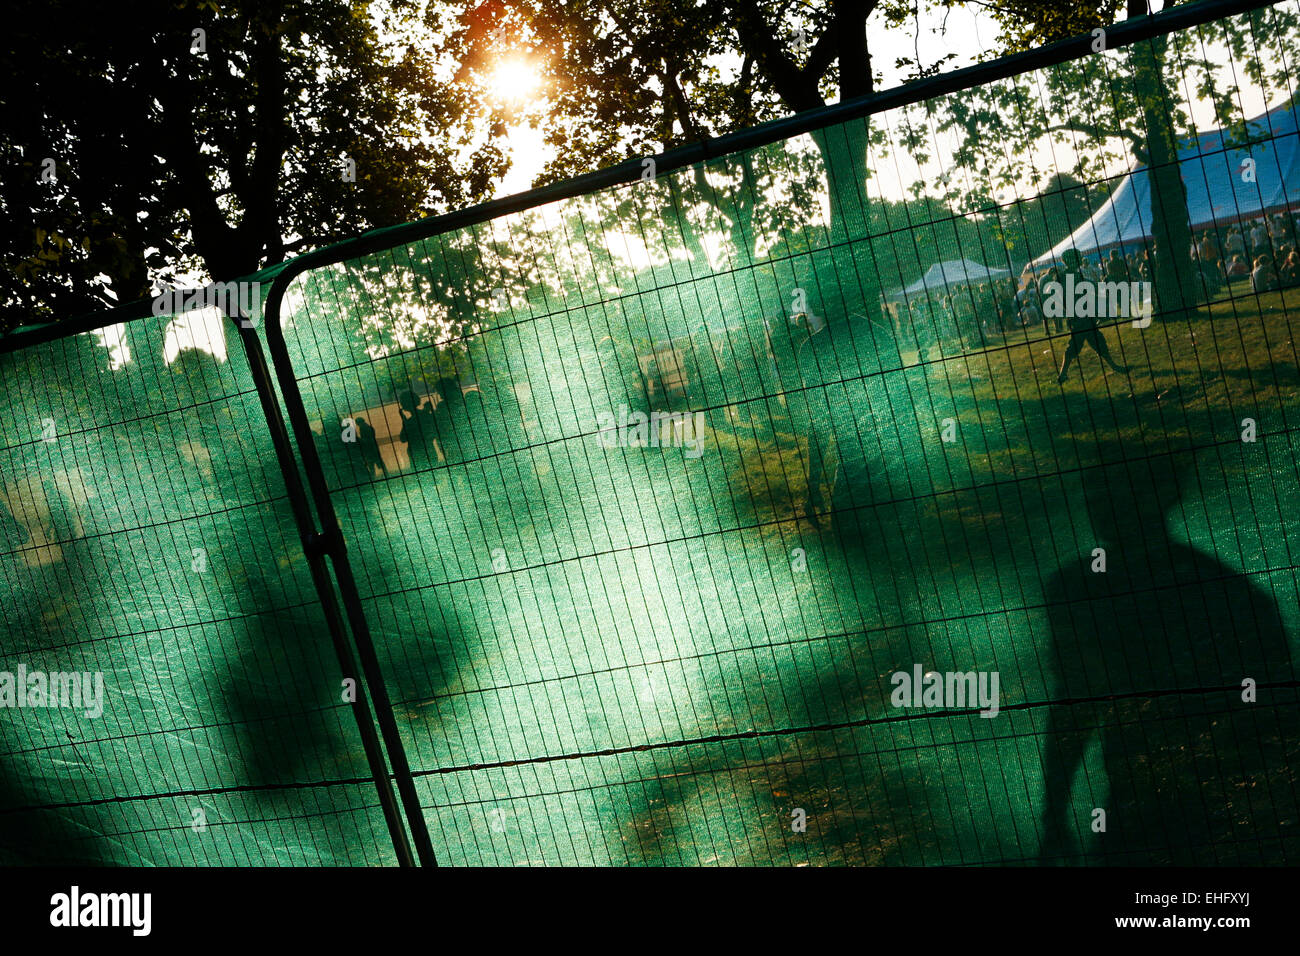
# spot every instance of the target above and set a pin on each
(316, 546)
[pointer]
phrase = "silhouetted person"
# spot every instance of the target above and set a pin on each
(1197, 776)
(809, 348)
(450, 420)
(1083, 328)
(851, 450)
(368, 443)
(417, 426)
(1050, 321)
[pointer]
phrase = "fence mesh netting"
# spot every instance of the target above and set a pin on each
(147, 538)
(676, 506)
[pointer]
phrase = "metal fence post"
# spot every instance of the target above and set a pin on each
(331, 542)
(324, 588)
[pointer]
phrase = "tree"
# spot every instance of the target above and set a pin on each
(628, 79)
(830, 49)
(215, 137)
(1114, 102)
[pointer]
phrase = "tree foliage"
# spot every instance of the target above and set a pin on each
(210, 137)
(1132, 105)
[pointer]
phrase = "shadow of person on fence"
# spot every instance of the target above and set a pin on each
(368, 446)
(1150, 655)
(47, 561)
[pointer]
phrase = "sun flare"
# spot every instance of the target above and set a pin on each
(515, 81)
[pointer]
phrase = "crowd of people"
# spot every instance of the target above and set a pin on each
(1265, 250)
(970, 315)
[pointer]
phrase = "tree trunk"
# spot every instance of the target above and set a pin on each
(682, 200)
(1174, 275)
(843, 150)
(742, 212)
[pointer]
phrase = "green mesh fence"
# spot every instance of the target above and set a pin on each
(662, 499)
(146, 538)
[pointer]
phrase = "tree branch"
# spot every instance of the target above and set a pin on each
(796, 89)
(671, 84)
(1097, 132)
(260, 230)
(213, 237)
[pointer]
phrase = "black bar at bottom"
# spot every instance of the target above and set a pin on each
(975, 910)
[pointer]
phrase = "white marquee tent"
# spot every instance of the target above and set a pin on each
(950, 272)
(1221, 186)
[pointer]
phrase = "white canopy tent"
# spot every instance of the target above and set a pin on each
(1222, 187)
(950, 272)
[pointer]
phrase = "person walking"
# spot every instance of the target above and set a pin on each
(1083, 328)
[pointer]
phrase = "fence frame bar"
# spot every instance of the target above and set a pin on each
(332, 542)
(320, 578)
